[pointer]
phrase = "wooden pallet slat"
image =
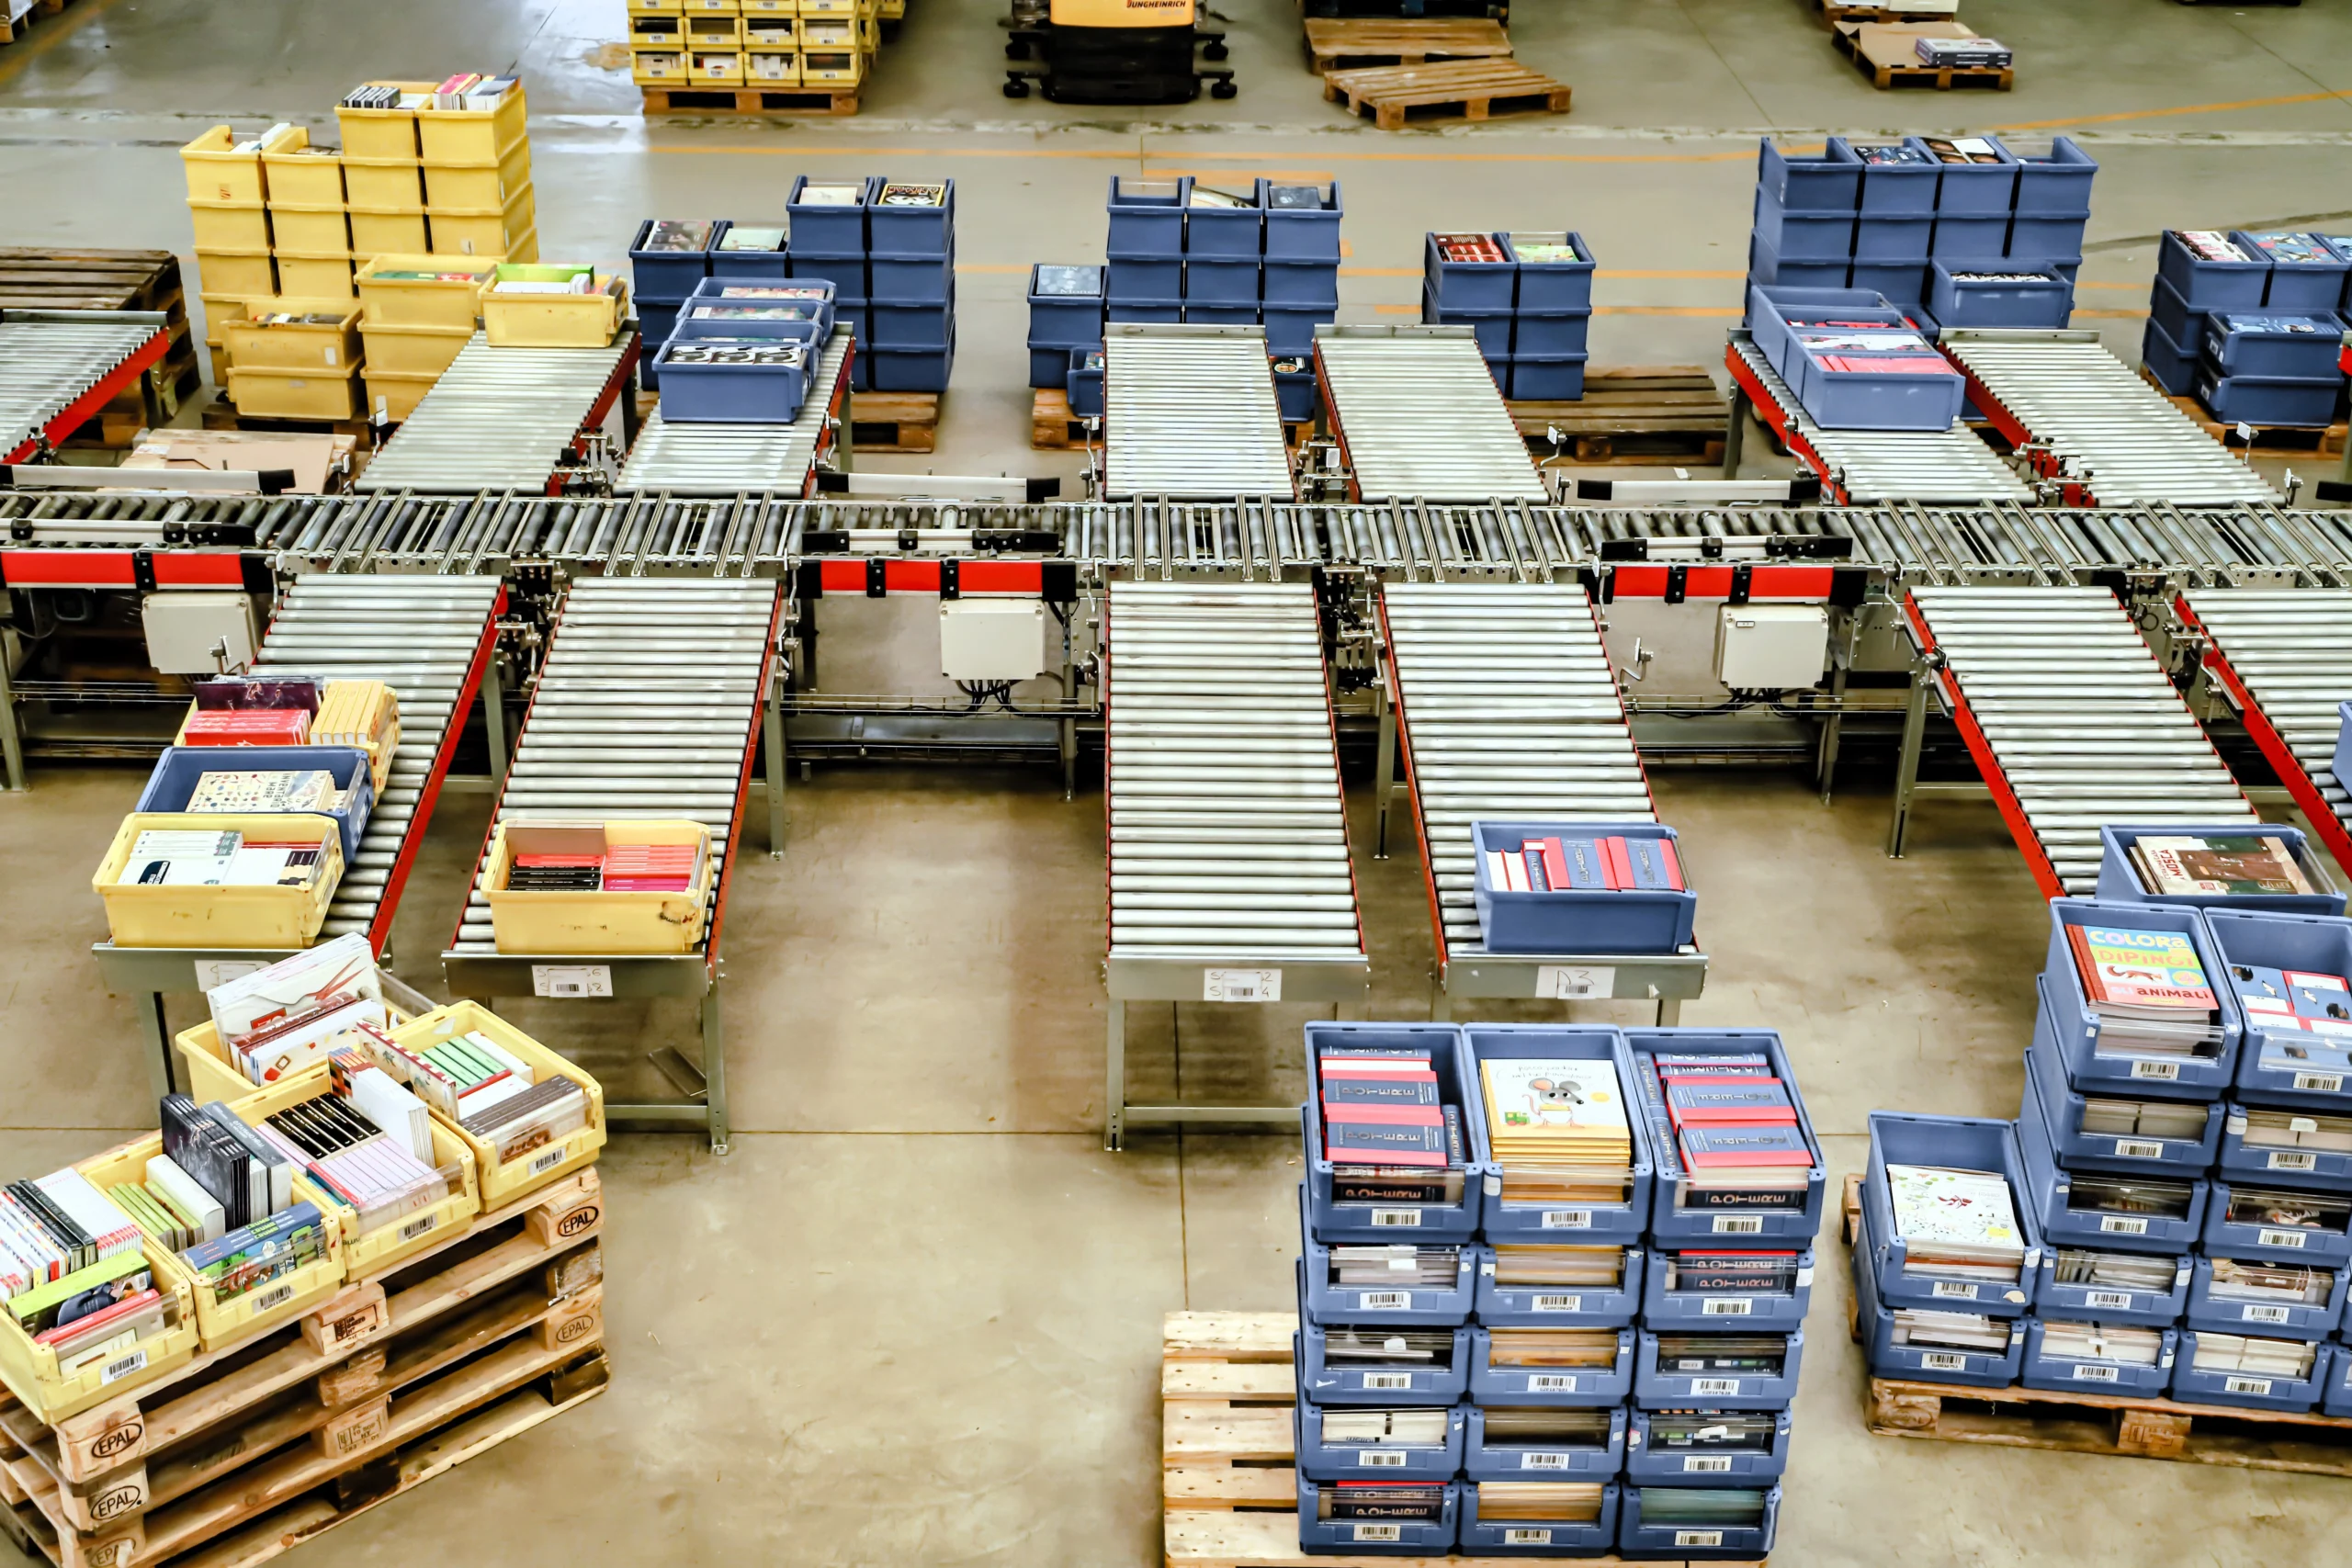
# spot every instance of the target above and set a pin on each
(752, 100)
(1335, 43)
(894, 421)
(1052, 427)
(2326, 441)
(2306, 1443)
(1475, 86)
(1635, 415)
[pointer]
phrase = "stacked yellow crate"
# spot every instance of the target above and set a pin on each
(383, 174)
(296, 358)
(772, 43)
(657, 42)
(477, 165)
(309, 230)
(830, 50)
(416, 313)
(228, 209)
(714, 43)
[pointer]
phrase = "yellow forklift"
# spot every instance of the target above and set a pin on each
(1113, 52)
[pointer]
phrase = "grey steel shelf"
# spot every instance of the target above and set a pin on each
(1418, 416)
(2285, 661)
(498, 418)
(736, 459)
(1230, 877)
(1191, 412)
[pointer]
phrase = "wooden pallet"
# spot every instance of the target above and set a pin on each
(222, 414)
(2323, 441)
(1882, 51)
(1229, 1491)
(1337, 43)
(2109, 1424)
(752, 100)
(1830, 13)
(1669, 414)
(1052, 427)
(894, 421)
(1476, 86)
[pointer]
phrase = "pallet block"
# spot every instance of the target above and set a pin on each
(894, 421)
(1052, 427)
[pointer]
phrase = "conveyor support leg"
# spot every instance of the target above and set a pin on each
(779, 820)
(1441, 1002)
(493, 718)
(1906, 776)
(1833, 730)
(12, 747)
(159, 1040)
(1114, 1084)
(1735, 431)
(714, 1066)
(1384, 774)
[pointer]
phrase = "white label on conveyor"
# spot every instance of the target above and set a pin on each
(211, 972)
(571, 979)
(1575, 982)
(1242, 985)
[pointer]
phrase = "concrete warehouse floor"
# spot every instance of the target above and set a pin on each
(914, 1318)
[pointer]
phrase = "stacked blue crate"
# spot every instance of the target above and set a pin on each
(1224, 249)
(1527, 297)
(1470, 280)
(1300, 270)
(660, 281)
(2199, 271)
(1921, 1314)
(2268, 367)
(1065, 320)
(828, 241)
(910, 284)
(1144, 278)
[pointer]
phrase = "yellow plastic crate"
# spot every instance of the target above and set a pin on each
(526, 248)
(369, 1252)
(713, 8)
(265, 394)
(396, 394)
(379, 230)
(755, 9)
(387, 183)
(241, 273)
(836, 33)
(309, 230)
(553, 321)
(219, 917)
(220, 311)
(665, 33)
(589, 923)
(450, 300)
(380, 133)
(656, 8)
(722, 70)
(771, 35)
(650, 69)
(832, 67)
(892, 10)
(220, 1324)
(412, 351)
(774, 66)
(315, 277)
(31, 1373)
(472, 136)
(211, 1075)
(230, 225)
(708, 33)
(298, 174)
(216, 358)
(478, 188)
(490, 233)
(869, 34)
(829, 7)
(217, 173)
(503, 1182)
(305, 347)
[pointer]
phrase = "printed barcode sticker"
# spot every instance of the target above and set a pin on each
(1732, 1306)
(2122, 1225)
(1567, 1219)
(1943, 1362)
(1706, 1464)
(1740, 1224)
(2262, 1313)
(1380, 1532)
(275, 1298)
(1396, 1216)
(2084, 1372)
(1575, 982)
(2260, 1386)
(1551, 1383)
(2324, 1083)
(2107, 1298)
(571, 979)
(417, 1227)
(1698, 1537)
(2278, 1161)
(2138, 1149)
(1953, 1291)
(1392, 1381)
(2155, 1069)
(1386, 1300)
(1557, 1304)
(122, 1367)
(549, 1161)
(2269, 1237)
(1242, 985)
(1527, 1535)
(1714, 1385)
(1543, 1462)
(1382, 1459)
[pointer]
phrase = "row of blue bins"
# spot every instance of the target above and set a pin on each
(2251, 324)
(1528, 299)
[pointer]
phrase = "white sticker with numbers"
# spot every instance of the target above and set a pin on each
(1242, 985)
(571, 979)
(1576, 982)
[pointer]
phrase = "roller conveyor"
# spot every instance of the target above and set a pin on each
(1416, 414)
(501, 418)
(2285, 661)
(734, 460)
(1191, 412)
(649, 705)
(1230, 878)
(2071, 720)
(59, 367)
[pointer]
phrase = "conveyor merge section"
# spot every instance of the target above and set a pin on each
(1508, 711)
(1227, 835)
(1419, 418)
(429, 639)
(2071, 720)
(2286, 658)
(1189, 413)
(648, 706)
(2090, 418)
(56, 364)
(498, 418)
(737, 459)
(1863, 466)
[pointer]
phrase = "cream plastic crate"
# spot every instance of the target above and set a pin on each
(304, 348)
(472, 136)
(836, 33)
(490, 233)
(892, 10)
(298, 174)
(553, 320)
(372, 1251)
(221, 311)
(422, 302)
(771, 35)
(379, 230)
(395, 395)
(774, 67)
(503, 1182)
(657, 7)
(316, 277)
(219, 917)
(832, 67)
(309, 230)
(380, 133)
(212, 1075)
(829, 7)
(410, 351)
(394, 184)
(718, 70)
(869, 34)
(755, 9)
(215, 173)
(292, 394)
(468, 188)
(216, 358)
(663, 34)
(708, 33)
(240, 273)
(597, 923)
(31, 1372)
(652, 69)
(230, 225)
(220, 1324)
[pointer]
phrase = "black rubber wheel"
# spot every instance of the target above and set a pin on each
(1016, 50)
(1223, 90)
(1214, 49)
(1014, 87)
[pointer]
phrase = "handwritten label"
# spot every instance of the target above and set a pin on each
(2291, 1162)
(1384, 1217)
(1385, 1301)
(1380, 1459)
(1551, 1383)
(2155, 1069)
(1556, 1304)
(2138, 1149)
(1733, 1306)
(571, 980)
(2260, 1387)
(1700, 1386)
(1379, 1532)
(2085, 1372)
(1543, 1462)
(1740, 1224)
(1575, 982)
(1526, 1535)
(2121, 1225)
(419, 1226)
(2290, 1239)
(1700, 1464)
(1242, 985)
(1392, 1382)
(1567, 1219)
(2107, 1298)
(1698, 1537)
(1943, 1362)
(1952, 1290)
(122, 1367)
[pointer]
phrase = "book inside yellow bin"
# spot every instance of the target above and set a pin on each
(519, 1144)
(598, 887)
(218, 880)
(52, 1387)
(552, 305)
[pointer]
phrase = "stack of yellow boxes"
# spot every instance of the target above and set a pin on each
(830, 31)
(718, 44)
(448, 182)
(295, 358)
(772, 43)
(417, 313)
(309, 230)
(228, 206)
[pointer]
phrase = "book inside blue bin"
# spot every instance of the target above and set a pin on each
(1519, 1442)
(1389, 1156)
(331, 780)
(2229, 866)
(1580, 887)
(1749, 1166)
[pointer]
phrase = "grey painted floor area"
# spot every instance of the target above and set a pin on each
(914, 1317)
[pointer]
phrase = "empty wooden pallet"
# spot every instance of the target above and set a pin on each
(1655, 415)
(1478, 88)
(1338, 43)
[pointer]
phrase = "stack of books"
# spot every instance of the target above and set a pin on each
(1610, 863)
(493, 1096)
(247, 726)
(1558, 1129)
(221, 1195)
(191, 858)
(1385, 1132)
(278, 790)
(73, 1270)
(1734, 1125)
(298, 1011)
(2206, 864)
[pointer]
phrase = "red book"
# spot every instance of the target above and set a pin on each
(1556, 863)
(127, 1307)
(1399, 1115)
(1616, 865)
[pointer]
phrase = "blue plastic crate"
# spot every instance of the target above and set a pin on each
(1957, 1143)
(1313, 283)
(2336, 1397)
(1968, 237)
(2299, 285)
(1399, 1219)
(1491, 327)
(2084, 1300)
(2246, 1390)
(1894, 237)
(1635, 1538)
(1202, 315)
(1822, 183)
(2123, 1155)
(1675, 1219)
(2184, 326)
(1580, 1388)
(1908, 186)
(913, 369)
(908, 233)
(2272, 1320)
(1523, 1537)
(2076, 1029)
(1798, 236)
(2176, 372)
(1671, 1311)
(693, 322)
(921, 280)
(2006, 299)
(1503, 1220)
(1295, 392)
(1321, 1460)
(1050, 364)
(1673, 1465)
(2055, 181)
(917, 327)
(1349, 1383)
(1159, 277)
(668, 274)
(177, 772)
(749, 266)
(1082, 384)
(1901, 284)
(1212, 281)
(845, 271)
(1570, 920)
(656, 319)
(1982, 188)
(1148, 214)
(1766, 264)
(2048, 238)
(1676, 1386)
(1234, 231)
(2245, 343)
(814, 293)
(1540, 336)
(1428, 1307)
(2270, 1163)
(1555, 1306)
(2049, 1191)
(1065, 320)
(1895, 390)
(1290, 329)
(831, 231)
(1302, 233)
(2262, 400)
(1775, 315)
(2212, 284)
(2069, 1374)
(1548, 377)
(1550, 286)
(1165, 312)
(2281, 1240)
(731, 394)
(1387, 1538)
(1874, 1323)
(1482, 1460)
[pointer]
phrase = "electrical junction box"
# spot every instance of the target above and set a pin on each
(1770, 647)
(991, 639)
(200, 632)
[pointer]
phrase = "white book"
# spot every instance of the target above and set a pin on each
(402, 1114)
(105, 1225)
(1967, 1210)
(163, 1173)
(507, 1059)
(305, 983)
(491, 1093)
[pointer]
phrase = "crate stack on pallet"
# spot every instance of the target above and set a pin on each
(754, 55)
(2169, 1219)
(1529, 298)
(36, 279)
(2251, 324)
(1584, 1336)
(256, 1398)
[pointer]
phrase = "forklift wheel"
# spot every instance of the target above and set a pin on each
(1016, 50)
(1214, 49)
(1016, 87)
(1222, 89)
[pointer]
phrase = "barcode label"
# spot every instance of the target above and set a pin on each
(2107, 1298)
(417, 1227)
(1543, 1462)
(1713, 1385)
(2260, 1386)
(1698, 1537)
(1700, 1464)
(275, 1298)
(2324, 1083)
(571, 979)
(1734, 1306)
(2262, 1313)
(1567, 1219)
(1242, 985)
(1953, 1291)
(1527, 1535)
(2292, 1162)
(2121, 1225)
(1943, 1362)
(122, 1367)
(2083, 1372)
(2155, 1069)
(1381, 1217)
(1551, 1383)
(1380, 1532)
(2293, 1239)
(1740, 1224)
(1386, 1300)
(1393, 1382)
(1558, 1303)
(548, 1161)
(1382, 1459)
(2138, 1149)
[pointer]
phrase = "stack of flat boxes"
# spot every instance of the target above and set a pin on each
(893, 271)
(1851, 217)
(1531, 316)
(1627, 1428)
(2215, 326)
